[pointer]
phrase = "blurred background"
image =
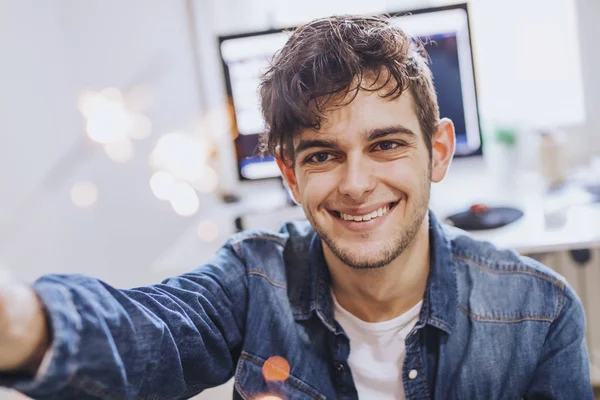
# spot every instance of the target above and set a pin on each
(117, 120)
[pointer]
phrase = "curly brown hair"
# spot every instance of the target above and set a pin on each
(327, 59)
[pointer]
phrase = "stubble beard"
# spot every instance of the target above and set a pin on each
(391, 250)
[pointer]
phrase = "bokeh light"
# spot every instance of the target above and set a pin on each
(112, 94)
(208, 231)
(142, 126)
(162, 184)
(276, 369)
(182, 161)
(208, 180)
(107, 118)
(120, 151)
(182, 155)
(84, 194)
(85, 102)
(111, 121)
(184, 199)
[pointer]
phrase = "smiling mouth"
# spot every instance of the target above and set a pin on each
(380, 212)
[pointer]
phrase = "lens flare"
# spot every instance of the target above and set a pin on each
(276, 369)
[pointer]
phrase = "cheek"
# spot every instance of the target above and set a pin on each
(315, 188)
(405, 175)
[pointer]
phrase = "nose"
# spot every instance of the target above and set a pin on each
(358, 180)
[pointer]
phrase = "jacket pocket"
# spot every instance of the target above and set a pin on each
(251, 384)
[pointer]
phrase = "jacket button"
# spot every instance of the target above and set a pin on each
(339, 368)
(412, 374)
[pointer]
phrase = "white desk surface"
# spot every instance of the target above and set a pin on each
(548, 224)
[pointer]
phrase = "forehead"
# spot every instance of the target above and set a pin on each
(369, 110)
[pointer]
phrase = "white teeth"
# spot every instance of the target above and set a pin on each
(367, 217)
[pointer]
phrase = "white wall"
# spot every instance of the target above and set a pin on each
(62, 48)
(588, 12)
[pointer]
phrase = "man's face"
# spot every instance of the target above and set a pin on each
(364, 178)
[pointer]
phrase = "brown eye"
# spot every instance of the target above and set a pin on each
(318, 158)
(387, 145)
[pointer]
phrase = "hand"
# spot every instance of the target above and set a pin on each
(24, 333)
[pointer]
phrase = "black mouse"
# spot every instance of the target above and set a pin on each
(481, 217)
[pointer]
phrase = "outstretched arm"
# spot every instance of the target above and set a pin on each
(170, 340)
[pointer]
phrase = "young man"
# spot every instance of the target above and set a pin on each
(372, 299)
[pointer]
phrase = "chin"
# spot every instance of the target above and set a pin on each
(365, 256)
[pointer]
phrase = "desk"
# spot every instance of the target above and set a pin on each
(549, 224)
(529, 235)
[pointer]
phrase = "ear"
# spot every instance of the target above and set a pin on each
(287, 171)
(442, 149)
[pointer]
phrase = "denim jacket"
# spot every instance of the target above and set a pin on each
(493, 325)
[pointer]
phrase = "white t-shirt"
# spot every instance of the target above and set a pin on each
(377, 352)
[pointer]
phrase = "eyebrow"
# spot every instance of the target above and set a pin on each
(390, 130)
(369, 135)
(321, 143)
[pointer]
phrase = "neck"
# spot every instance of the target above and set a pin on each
(381, 294)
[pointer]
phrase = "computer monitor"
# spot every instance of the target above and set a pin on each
(445, 32)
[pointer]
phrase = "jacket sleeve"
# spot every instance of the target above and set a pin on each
(563, 370)
(167, 341)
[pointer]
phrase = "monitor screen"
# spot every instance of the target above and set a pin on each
(445, 32)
